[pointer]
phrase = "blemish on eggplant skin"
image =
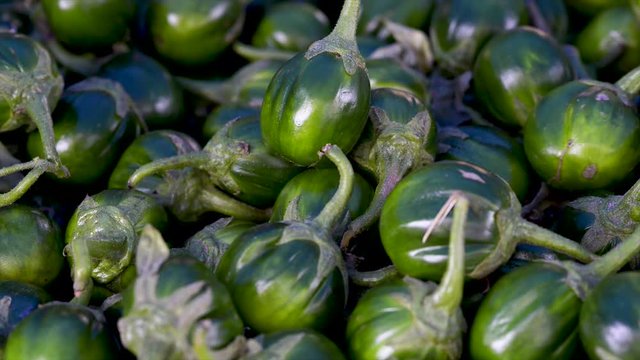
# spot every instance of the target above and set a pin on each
(471, 176)
(590, 172)
(602, 97)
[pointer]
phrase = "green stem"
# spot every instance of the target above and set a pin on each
(81, 270)
(448, 295)
(212, 199)
(617, 257)
(629, 204)
(530, 233)
(579, 70)
(536, 16)
(194, 160)
(630, 83)
(332, 212)
(217, 91)
(375, 277)
(38, 167)
(252, 53)
(348, 20)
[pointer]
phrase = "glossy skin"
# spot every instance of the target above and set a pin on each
(194, 33)
(387, 73)
(491, 149)
(22, 299)
(157, 96)
(583, 136)
(314, 188)
(530, 313)
(223, 114)
(280, 30)
(90, 133)
(411, 13)
(89, 25)
(459, 28)
(515, 70)
(417, 199)
(609, 318)
(281, 285)
(310, 103)
(292, 345)
(30, 246)
(61, 331)
(146, 148)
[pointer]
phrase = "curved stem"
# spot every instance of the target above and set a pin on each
(448, 295)
(530, 233)
(536, 15)
(217, 91)
(629, 204)
(253, 53)
(194, 160)
(375, 277)
(630, 83)
(348, 20)
(81, 270)
(332, 212)
(617, 257)
(579, 70)
(212, 199)
(38, 167)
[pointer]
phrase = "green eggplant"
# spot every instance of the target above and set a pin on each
(411, 319)
(152, 88)
(233, 162)
(147, 148)
(176, 308)
(411, 13)
(62, 331)
(491, 149)
(292, 345)
(419, 249)
(320, 96)
(290, 275)
(17, 300)
(533, 312)
(583, 134)
(515, 70)
(30, 246)
(191, 33)
(225, 113)
(87, 25)
(102, 236)
(555, 16)
(459, 28)
(209, 244)
(389, 73)
(94, 121)
(609, 318)
(399, 138)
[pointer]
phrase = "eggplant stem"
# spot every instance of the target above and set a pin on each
(216, 200)
(630, 83)
(254, 54)
(373, 278)
(195, 160)
(440, 216)
(348, 20)
(333, 210)
(532, 234)
(81, 271)
(37, 166)
(617, 257)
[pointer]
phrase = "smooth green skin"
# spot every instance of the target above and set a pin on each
(611, 38)
(24, 299)
(192, 32)
(310, 103)
(610, 318)
(276, 287)
(411, 13)
(583, 137)
(89, 25)
(388, 73)
(593, 7)
(515, 70)
(182, 270)
(224, 114)
(413, 204)
(314, 188)
(280, 30)
(156, 95)
(145, 149)
(491, 149)
(293, 345)
(89, 135)
(30, 246)
(530, 313)
(459, 28)
(61, 331)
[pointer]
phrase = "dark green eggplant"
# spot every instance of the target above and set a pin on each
(583, 134)
(411, 13)
(94, 122)
(152, 88)
(533, 311)
(147, 148)
(400, 137)
(491, 149)
(320, 96)
(459, 28)
(233, 162)
(102, 236)
(515, 70)
(225, 113)
(554, 17)
(418, 248)
(17, 300)
(62, 331)
(389, 73)
(411, 319)
(293, 345)
(191, 32)
(30, 246)
(209, 244)
(291, 275)
(87, 25)
(610, 318)
(176, 308)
